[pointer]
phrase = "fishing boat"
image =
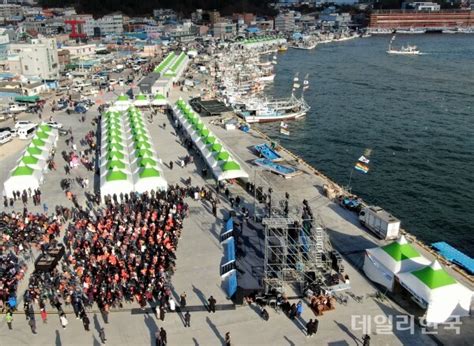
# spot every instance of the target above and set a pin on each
(411, 31)
(282, 48)
(306, 45)
(408, 50)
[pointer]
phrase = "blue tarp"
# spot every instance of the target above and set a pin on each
(229, 250)
(252, 30)
(229, 225)
(454, 255)
(230, 283)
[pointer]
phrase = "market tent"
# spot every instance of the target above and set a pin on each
(22, 178)
(381, 264)
(115, 181)
(230, 170)
(33, 162)
(149, 178)
(122, 103)
(141, 101)
(437, 291)
(27, 99)
(35, 151)
(159, 100)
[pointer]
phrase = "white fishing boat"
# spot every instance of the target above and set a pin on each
(404, 50)
(411, 31)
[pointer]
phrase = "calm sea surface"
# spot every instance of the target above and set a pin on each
(415, 113)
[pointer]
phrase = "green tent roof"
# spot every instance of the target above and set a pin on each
(141, 97)
(210, 140)
(146, 162)
(116, 175)
(141, 138)
(41, 134)
(159, 97)
(114, 138)
(115, 164)
(149, 173)
(204, 133)
(223, 156)
(434, 278)
(38, 142)
(23, 170)
(29, 160)
(400, 252)
(34, 150)
(216, 147)
(145, 153)
(230, 166)
(142, 145)
(199, 126)
(122, 97)
(45, 128)
(114, 146)
(115, 154)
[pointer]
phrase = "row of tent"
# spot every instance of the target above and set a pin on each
(262, 39)
(128, 161)
(399, 263)
(141, 100)
(223, 164)
(31, 166)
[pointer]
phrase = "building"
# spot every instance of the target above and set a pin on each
(406, 19)
(214, 16)
(164, 14)
(285, 22)
(38, 58)
(224, 30)
(111, 24)
(7, 11)
(47, 27)
(80, 51)
(264, 24)
(4, 41)
(421, 6)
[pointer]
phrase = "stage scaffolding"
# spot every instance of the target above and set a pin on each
(296, 253)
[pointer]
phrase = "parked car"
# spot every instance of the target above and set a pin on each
(60, 106)
(78, 109)
(54, 124)
(18, 107)
(23, 123)
(5, 136)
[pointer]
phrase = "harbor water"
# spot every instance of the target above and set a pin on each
(416, 113)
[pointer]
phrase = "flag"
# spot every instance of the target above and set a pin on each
(363, 159)
(361, 167)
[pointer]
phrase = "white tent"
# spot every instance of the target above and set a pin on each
(22, 178)
(434, 289)
(38, 164)
(159, 100)
(141, 101)
(381, 264)
(115, 181)
(149, 178)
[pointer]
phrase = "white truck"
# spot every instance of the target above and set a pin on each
(380, 222)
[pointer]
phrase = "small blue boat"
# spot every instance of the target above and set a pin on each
(285, 171)
(268, 153)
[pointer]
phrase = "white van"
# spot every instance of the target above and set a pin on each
(27, 132)
(5, 136)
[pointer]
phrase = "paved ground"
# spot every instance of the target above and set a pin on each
(199, 256)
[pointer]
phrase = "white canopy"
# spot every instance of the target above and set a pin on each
(434, 289)
(22, 178)
(115, 181)
(381, 264)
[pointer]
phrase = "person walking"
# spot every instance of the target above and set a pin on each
(187, 319)
(309, 328)
(182, 301)
(172, 305)
(44, 316)
(157, 339)
(299, 309)
(102, 337)
(366, 340)
(315, 326)
(86, 322)
(162, 313)
(9, 319)
(63, 320)
(212, 304)
(32, 324)
(227, 339)
(163, 336)
(171, 165)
